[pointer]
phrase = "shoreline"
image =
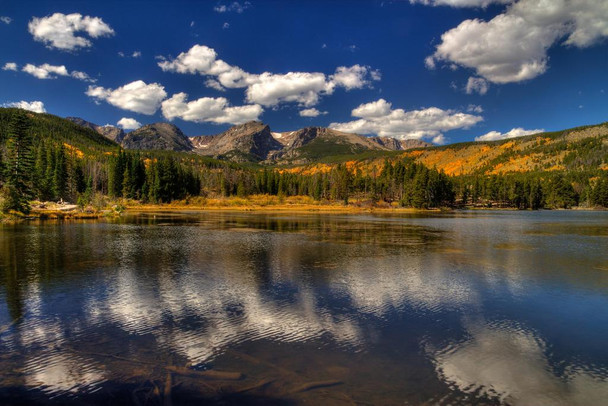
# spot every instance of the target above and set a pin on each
(231, 207)
(284, 208)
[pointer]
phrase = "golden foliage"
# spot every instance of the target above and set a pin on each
(72, 150)
(494, 158)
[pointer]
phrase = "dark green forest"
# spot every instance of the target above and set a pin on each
(46, 158)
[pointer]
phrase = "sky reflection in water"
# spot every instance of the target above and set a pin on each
(462, 307)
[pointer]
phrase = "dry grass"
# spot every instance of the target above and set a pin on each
(264, 203)
(56, 214)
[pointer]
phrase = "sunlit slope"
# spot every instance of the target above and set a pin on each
(576, 149)
(573, 150)
(59, 130)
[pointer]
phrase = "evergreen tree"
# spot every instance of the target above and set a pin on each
(75, 183)
(418, 197)
(49, 174)
(60, 174)
(115, 174)
(562, 193)
(536, 196)
(599, 195)
(42, 186)
(19, 166)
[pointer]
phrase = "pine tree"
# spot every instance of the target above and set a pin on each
(41, 185)
(419, 195)
(599, 195)
(115, 174)
(48, 174)
(127, 183)
(60, 174)
(536, 196)
(19, 166)
(75, 183)
(563, 194)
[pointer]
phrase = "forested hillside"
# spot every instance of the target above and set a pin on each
(576, 149)
(44, 157)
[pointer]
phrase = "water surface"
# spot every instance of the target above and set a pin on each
(444, 308)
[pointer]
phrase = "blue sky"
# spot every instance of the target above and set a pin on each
(440, 70)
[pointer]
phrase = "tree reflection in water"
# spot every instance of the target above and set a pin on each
(425, 308)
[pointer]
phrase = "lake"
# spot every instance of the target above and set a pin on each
(472, 307)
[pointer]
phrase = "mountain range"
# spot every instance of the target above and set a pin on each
(581, 149)
(253, 142)
(109, 131)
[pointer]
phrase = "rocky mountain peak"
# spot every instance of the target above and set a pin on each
(157, 136)
(251, 141)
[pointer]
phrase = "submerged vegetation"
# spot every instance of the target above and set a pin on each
(47, 158)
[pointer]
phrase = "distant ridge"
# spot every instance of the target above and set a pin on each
(575, 149)
(161, 136)
(164, 136)
(254, 141)
(400, 145)
(108, 131)
(251, 141)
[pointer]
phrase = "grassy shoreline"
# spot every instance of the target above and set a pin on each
(289, 208)
(266, 203)
(250, 204)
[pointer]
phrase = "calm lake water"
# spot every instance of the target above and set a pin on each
(454, 308)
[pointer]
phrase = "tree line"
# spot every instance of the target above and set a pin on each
(46, 168)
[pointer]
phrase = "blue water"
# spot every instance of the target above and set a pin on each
(439, 308)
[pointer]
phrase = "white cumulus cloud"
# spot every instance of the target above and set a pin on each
(45, 71)
(355, 77)
(477, 85)
(379, 108)
(136, 96)
(5, 19)
(512, 47)
(312, 113)
(58, 30)
(208, 109)
(267, 88)
(10, 66)
(35, 106)
(304, 88)
(380, 119)
(128, 123)
(202, 60)
(514, 133)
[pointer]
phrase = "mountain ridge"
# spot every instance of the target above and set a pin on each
(244, 142)
(163, 136)
(570, 149)
(253, 142)
(292, 147)
(113, 133)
